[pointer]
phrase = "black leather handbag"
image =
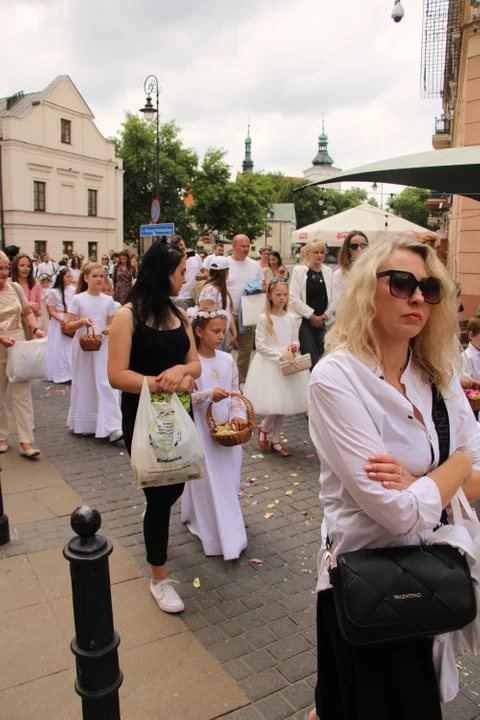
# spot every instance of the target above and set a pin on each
(393, 594)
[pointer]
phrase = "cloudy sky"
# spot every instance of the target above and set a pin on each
(278, 63)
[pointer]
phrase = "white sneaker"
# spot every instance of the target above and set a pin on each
(115, 436)
(166, 596)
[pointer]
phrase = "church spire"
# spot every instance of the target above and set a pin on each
(322, 157)
(247, 165)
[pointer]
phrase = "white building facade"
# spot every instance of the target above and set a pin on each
(61, 186)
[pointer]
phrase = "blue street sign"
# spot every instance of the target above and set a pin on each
(157, 230)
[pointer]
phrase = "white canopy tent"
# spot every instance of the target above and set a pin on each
(373, 221)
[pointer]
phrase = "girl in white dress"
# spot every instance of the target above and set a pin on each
(272, 393)
(58, 350)
(94, 404)
(215, 292)
(211, 507)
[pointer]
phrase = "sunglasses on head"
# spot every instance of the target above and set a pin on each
(278, 280)
(403, 285)
(355, 246)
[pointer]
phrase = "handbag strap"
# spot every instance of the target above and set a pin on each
(442, 426)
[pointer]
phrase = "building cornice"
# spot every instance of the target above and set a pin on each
(40, 168)
(68, 173)
(73, 157)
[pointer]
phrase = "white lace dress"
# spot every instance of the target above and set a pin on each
(94, 404)
(58, 350)
(211, 507)
(209, 292)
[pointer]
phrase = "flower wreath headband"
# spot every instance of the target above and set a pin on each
(196, 314)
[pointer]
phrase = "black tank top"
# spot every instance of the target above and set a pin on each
(153, 351)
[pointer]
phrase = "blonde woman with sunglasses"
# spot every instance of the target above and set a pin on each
(273, 394)
(392, 349)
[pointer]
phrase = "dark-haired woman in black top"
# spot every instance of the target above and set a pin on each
(151, 337)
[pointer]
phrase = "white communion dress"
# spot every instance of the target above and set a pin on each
(211, 507)
(58, 350)
(271, 392)
(94, 404)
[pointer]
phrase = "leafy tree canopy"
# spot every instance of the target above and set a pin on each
(178, 166)
(411, 204)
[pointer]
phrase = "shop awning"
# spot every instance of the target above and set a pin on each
(455, 170)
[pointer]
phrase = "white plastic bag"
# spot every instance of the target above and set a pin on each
(463, 515)
(166, 446)
(252, 307)
(26, 360)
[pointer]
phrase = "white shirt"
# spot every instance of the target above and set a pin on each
(48, 268)
(339, 283)
(241, 272)
(354, 413)
(210, 292)
(471, 362)
(194, 264)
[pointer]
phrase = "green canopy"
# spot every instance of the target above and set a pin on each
(456, 171)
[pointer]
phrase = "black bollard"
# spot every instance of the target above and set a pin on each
(95, 644)
(4, 528)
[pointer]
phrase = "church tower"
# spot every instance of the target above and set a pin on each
(247, 165)
(322, 157)
(322, 164)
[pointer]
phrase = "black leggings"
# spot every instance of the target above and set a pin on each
(312, 341)
(156, 524)
(392, 680)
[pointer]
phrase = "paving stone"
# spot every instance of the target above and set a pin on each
(232, 608)
(288, 647)
(262, 684)
(299, 666)
(300, 695)
(283, 627)
(237, 669)
(275, 707)
(273, 611)
(230, 649)
(260, 637)
(259, 660)
(209, 636)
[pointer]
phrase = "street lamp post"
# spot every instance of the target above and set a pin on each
(151, 86)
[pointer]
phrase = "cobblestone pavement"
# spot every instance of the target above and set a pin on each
(256, 618)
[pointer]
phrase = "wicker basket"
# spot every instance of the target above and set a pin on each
(296, 365)
(474, 403)
(90, 343)
(70, 333)
(241, 436)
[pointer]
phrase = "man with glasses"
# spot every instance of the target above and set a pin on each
(263, 262)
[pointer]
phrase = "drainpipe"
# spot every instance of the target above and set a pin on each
(2, 215)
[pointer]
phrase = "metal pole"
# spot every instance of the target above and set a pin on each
(157, 176)
(4, 528)
(95, 644)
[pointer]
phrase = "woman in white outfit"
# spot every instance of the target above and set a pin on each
(311, 298)
(382, 484)
(58, 350)
(13, 304)
(354, 243)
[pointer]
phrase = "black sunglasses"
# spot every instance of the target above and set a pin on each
(355, 246)
(277, 281)
(403, 285)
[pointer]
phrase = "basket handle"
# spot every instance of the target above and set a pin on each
(248, 405)
(92, 329)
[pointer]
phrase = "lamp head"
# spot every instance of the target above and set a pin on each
(148, 111)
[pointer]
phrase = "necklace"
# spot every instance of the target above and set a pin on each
(317, 275)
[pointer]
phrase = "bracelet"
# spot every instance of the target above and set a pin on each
(34, 330)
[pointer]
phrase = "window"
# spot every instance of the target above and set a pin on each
(39, 196)
(92, 251)
(67, 248)
(92, 202)
(40, 247)
(66, 131)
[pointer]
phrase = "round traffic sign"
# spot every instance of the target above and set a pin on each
(155, 210)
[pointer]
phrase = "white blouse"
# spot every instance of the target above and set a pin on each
(354, 413)
(339, 284)
(471, 362)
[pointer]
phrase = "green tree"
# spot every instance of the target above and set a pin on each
(210, 189)
(178, 166)
(411, 204)
(249, 197)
